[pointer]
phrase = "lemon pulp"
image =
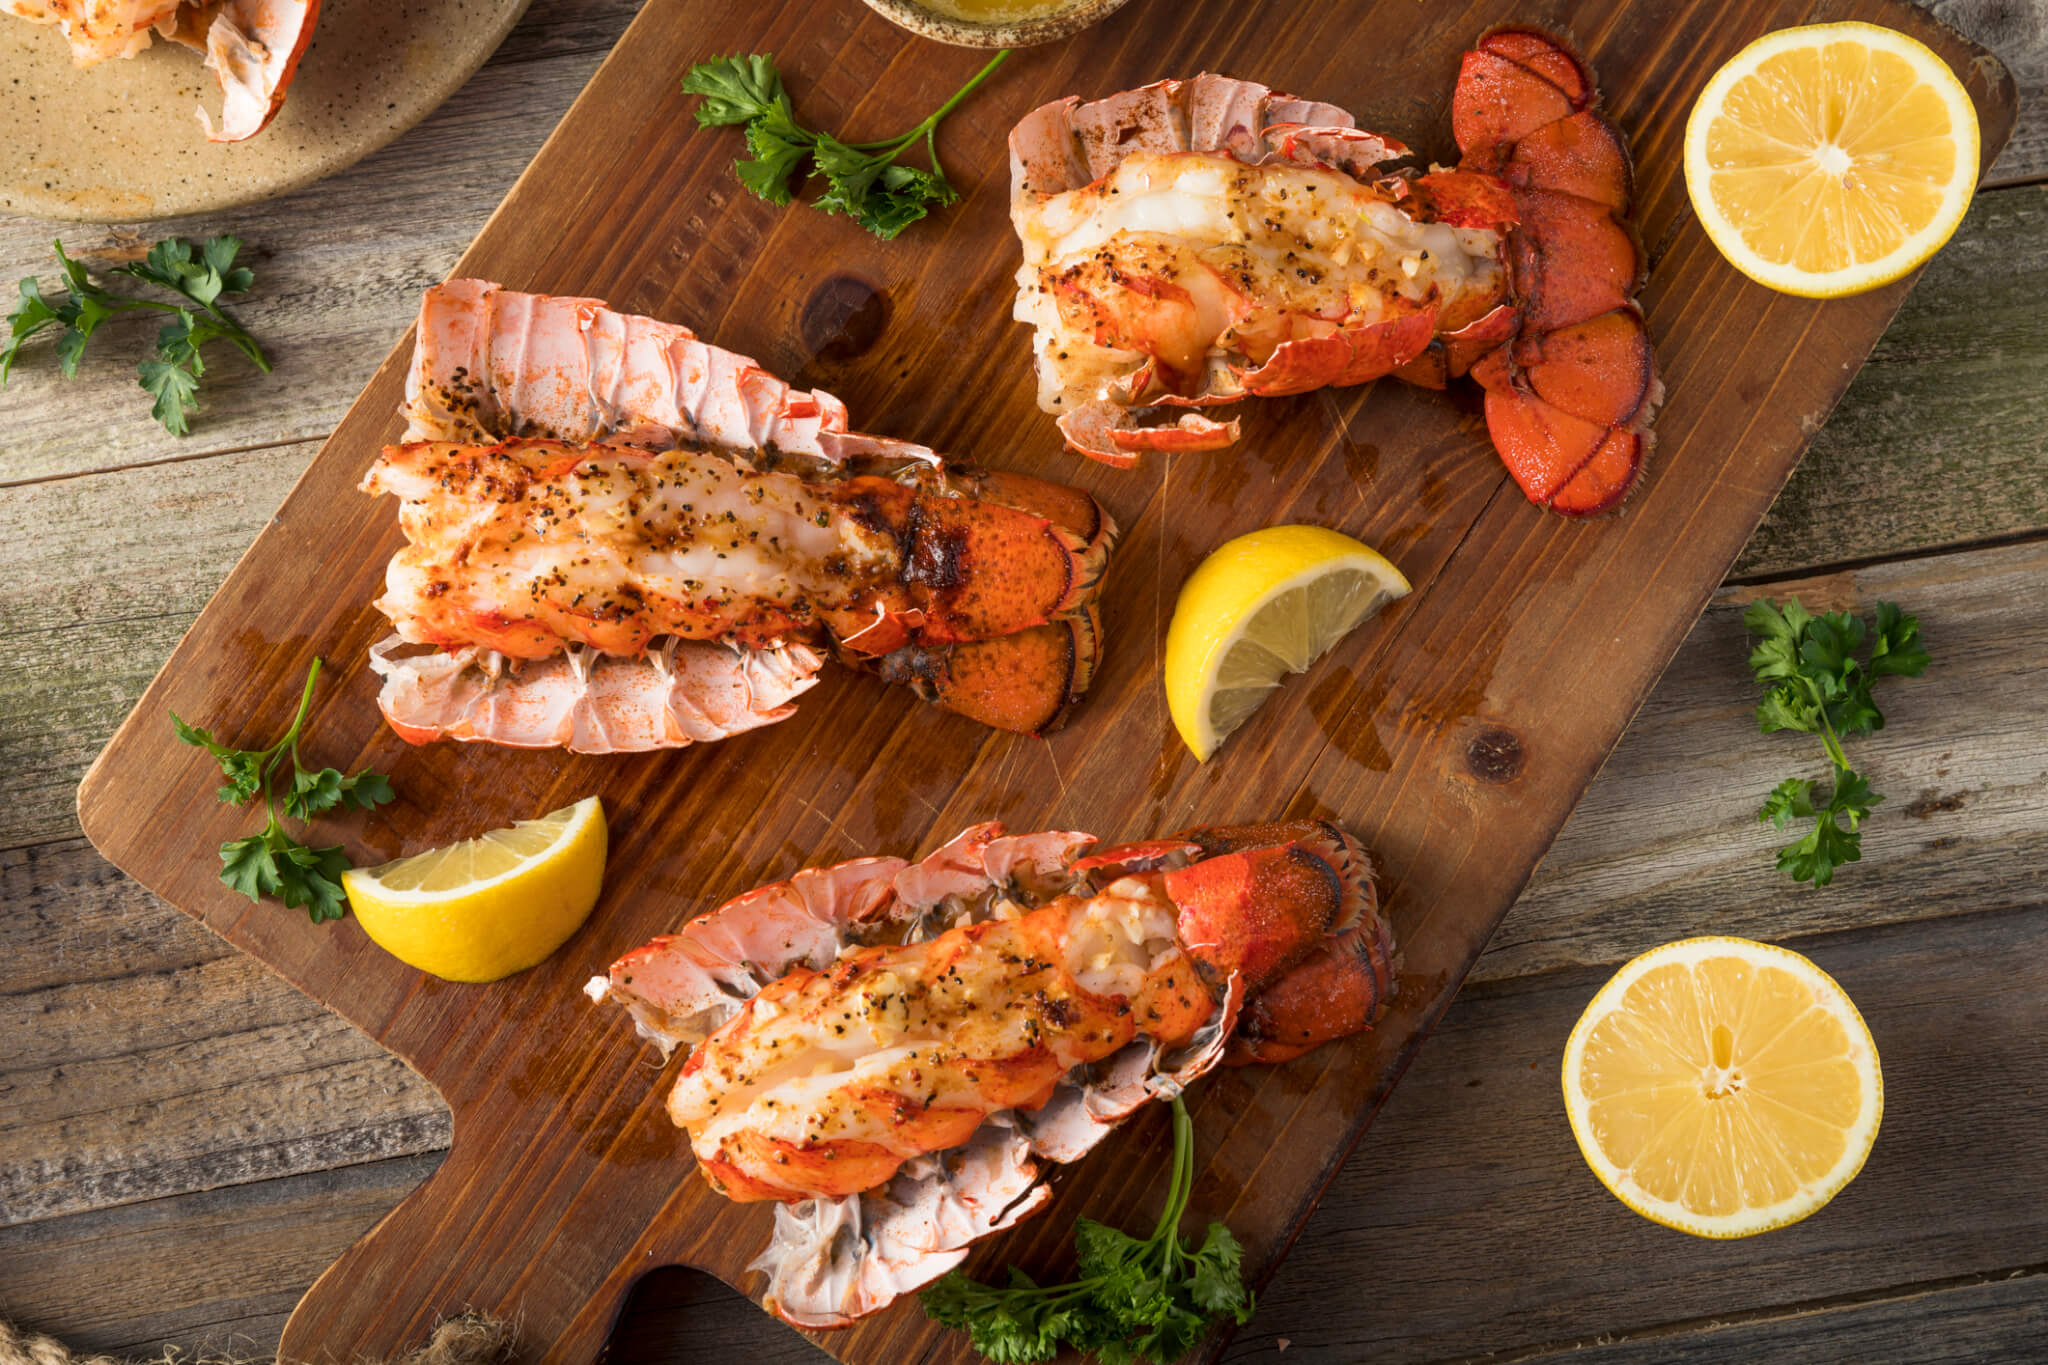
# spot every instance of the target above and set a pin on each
(1831, 159)
(1723, 1087)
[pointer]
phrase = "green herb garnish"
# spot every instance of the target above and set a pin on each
(273, 863)
(1134, 1301)
(198, 276)
(1814, 682)
(862, 179)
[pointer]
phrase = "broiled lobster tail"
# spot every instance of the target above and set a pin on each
(896, 1051)
(1196, 242)
(622, 538)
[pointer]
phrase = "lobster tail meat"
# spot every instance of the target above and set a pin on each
(621, 538)
(1198, 241)
(1194, 243)
(1569, 400)
(897, 1052)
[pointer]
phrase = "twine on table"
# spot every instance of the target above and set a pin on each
(471, 1339)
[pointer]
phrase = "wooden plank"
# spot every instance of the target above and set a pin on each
(1671, 824)
(1999, 1319)
(1453, 1211)
(569, 1225)
(339, 265)
(1471, 1220)
(2019, 35)
(147, 1058)
(215, 1272)
(1940, 439)
(99, 577)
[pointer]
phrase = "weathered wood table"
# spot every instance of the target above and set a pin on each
(186, 1142)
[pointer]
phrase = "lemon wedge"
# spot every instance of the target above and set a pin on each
(1723, 1087)
(489, 906)
(1831, 159)
(1260, 607)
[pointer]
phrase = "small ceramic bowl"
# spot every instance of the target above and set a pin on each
(930, 23)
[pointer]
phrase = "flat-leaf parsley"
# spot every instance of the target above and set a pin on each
(196, 275)
(1815, 682)
(1149, 1300)
(273, 863)
(862, 179)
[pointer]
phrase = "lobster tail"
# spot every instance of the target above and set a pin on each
(1569, 398)
(898, 1052)
(623, 538)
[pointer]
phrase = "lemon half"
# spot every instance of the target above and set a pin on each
(1723, 1087)
(1831, 159)
(489, 906)
(1260, 607)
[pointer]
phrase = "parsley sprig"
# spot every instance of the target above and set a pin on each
(862, 179)
(1815, 682)
(273, 863)
(1134, 1301)
(197, 276)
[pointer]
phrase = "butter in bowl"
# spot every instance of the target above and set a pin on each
(995, 23)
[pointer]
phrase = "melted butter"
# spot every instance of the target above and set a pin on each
(998, 11)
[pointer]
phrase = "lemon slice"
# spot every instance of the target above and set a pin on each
(1723, 1087)
(1263, 606)
(1831, 159)
(489, 906)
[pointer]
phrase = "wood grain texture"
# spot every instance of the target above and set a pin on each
(1486, 1145)
(146, 1058)
(2017, 30)
(2005, 1318)
(1960, 763)
(1663, 844)
(339, 265)
(142, 550)
(570, 1184)
(219, 1271)
(1939, 440)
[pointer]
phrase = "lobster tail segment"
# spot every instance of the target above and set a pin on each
(1570, 397)
(1259, 900)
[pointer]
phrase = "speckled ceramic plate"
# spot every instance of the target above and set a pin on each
(119, 142)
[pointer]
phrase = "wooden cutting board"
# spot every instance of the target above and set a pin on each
(1454, 734)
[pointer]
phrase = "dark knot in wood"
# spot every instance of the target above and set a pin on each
(1494, 755)
(843, 317)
